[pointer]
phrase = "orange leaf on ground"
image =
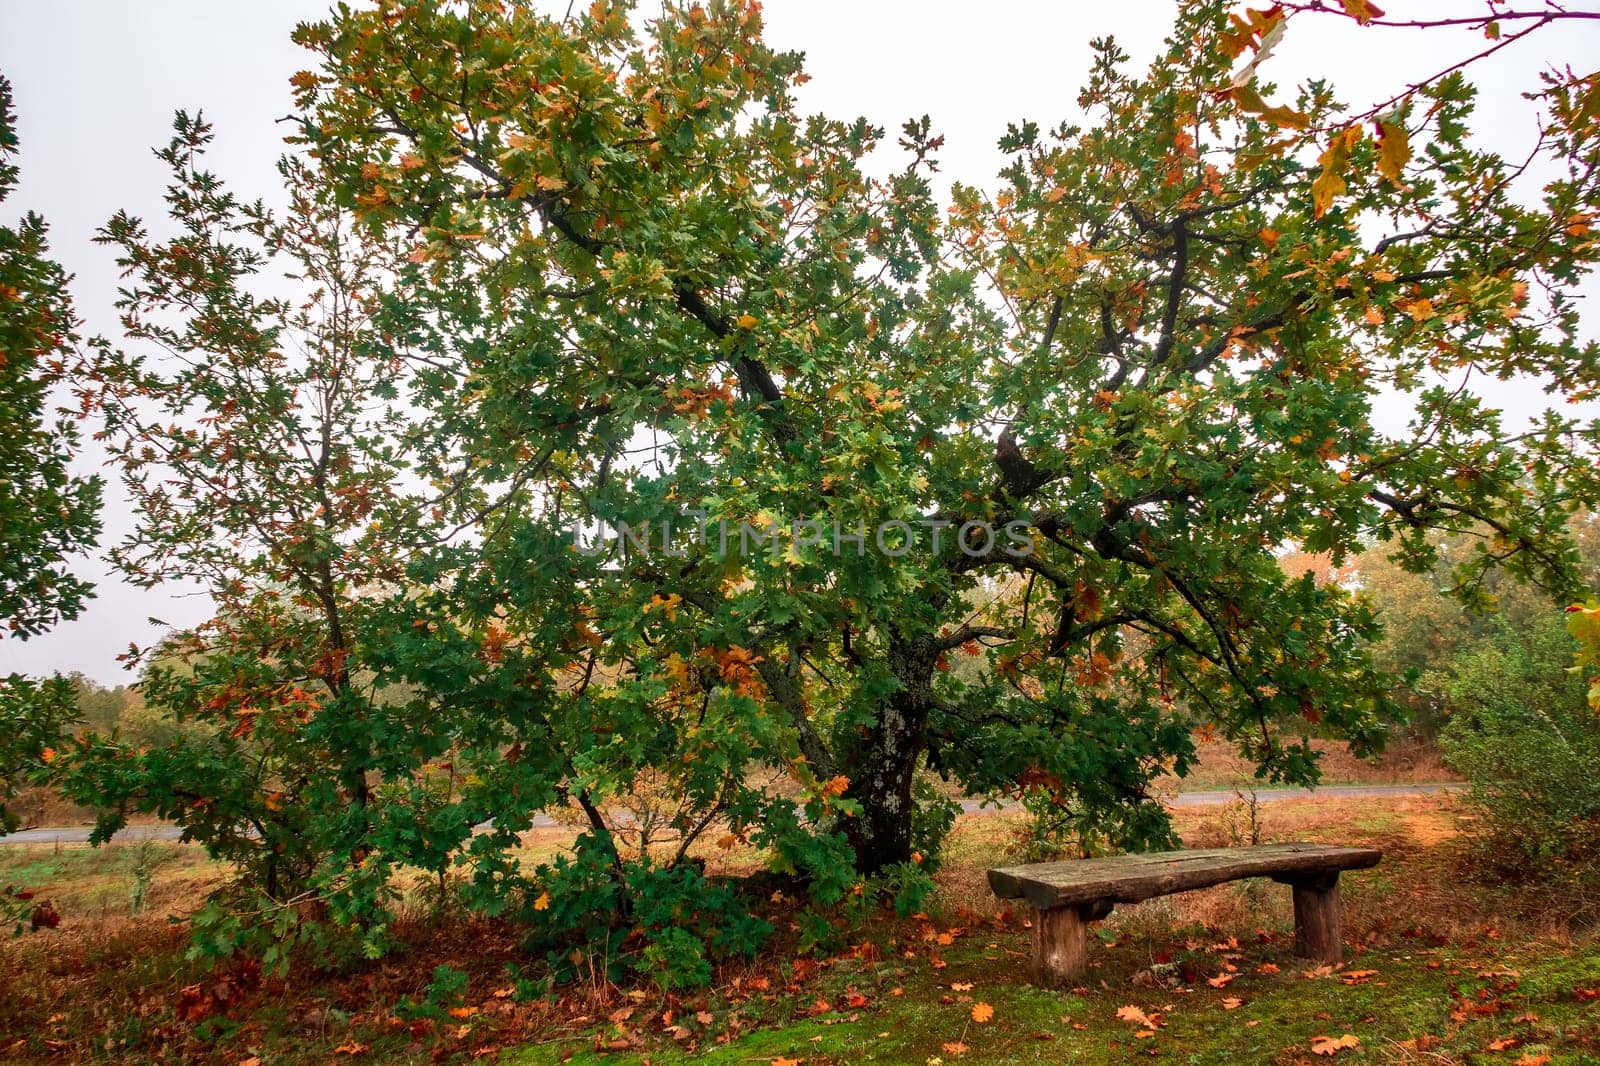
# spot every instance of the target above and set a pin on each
(1232, 1003)
(1332, 1045)
(982, 1012)
(1220, 981)
(1138, 1017)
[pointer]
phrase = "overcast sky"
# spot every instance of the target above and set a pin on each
(97, 81)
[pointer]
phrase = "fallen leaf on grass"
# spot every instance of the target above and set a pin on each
(1505, 1043)
(961, 986)
(1139, 1017)
(1232, 1003)
(955, 1047)
(982, 1012)
(1534, 1060)
(1358, 977)
(1221, 980)
(351, 1049)
(1144, 1034)
(787, 1062)
(1267, 967)
(1332, 1045)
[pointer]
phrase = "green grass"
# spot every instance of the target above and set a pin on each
(1421, 1005)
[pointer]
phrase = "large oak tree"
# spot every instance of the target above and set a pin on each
(643, 282)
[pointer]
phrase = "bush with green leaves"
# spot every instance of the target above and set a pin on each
(1528, 742)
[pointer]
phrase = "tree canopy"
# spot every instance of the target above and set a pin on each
(643, 282)
(47, 513)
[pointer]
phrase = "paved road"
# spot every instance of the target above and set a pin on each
(80, 834)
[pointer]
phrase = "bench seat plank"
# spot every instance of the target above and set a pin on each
(1131, 878)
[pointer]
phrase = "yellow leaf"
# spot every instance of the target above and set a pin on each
(982, 1012)
(1055, 195)
(1420, 310)
(545, 181)
(1394, 150)
(1249, 100)
(1330, 182)
(781, 1061)
(543, 902)
(748, 321)
(1323, 190)
(1374, 315)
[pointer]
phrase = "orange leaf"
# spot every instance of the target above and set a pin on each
(982, 1012)
(1232, 1003)
(1363, 11)
(1332, 1045)
(955, 1047)
(1138, 1017)
(1221, 980)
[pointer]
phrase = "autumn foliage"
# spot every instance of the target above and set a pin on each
(539, 272)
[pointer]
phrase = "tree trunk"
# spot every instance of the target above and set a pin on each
(881, 833)
(882, 775)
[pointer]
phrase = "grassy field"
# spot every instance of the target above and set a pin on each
(1442, 968)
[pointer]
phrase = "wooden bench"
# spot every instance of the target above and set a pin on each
(1067, 896)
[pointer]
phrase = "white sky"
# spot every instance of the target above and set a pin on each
(97, 81)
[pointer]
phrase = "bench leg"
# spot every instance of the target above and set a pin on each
(1316, 920)
(1060, 943)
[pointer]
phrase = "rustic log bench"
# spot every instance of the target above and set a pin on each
(1067, 896)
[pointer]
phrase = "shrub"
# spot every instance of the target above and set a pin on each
(1524, 737)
